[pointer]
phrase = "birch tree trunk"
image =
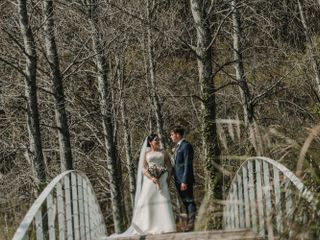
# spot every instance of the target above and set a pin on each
(312, 47)
(209, 131)
(246, 97)
(58, 91)
(126, 135)
(153, 89)
(30, 77)
(247, 106)
(107, 118)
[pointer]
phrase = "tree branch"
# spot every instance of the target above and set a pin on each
(13, 66)
(218, 29)
(257, 98)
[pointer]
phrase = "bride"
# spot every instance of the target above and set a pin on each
(152, 213)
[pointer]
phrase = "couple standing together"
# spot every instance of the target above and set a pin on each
(152, 212)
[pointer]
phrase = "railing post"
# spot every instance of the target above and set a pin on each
(92, 216)
(61, 212)
(75, 211)
(267, 189)
(236, 205)
(289, 206)
(86, 210)
(259, 198)
(81, 208)
(277, 199)
(68, 207)
(227, 214)
(246, 195)
(51, 216)
(240, 199)
(39, 225)
(252, 198)
(232, 209)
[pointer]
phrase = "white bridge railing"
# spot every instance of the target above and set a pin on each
(268, 198)
(66, 209)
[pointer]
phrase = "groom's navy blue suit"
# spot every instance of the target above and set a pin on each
(183, 173)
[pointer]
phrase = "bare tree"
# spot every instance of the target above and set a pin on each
(245, 94)
(208, 121)
(107, 114)
(150, 9)
(30, 77)
(126, 131)
(58, 91)
(248, 108)
(311, 47)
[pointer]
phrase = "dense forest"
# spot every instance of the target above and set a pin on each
(83, 82)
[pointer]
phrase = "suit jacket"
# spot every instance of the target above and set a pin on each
(183, 168)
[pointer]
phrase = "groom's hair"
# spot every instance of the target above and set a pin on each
(178, 129)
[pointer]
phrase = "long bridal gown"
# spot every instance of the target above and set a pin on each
(153, 212)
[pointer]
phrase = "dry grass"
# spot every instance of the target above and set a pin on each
(314, 132)
(238, 143)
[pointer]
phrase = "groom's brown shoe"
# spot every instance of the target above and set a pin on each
(189, 227)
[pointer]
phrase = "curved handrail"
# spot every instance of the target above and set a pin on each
(27, 220)
(293, 178)
(290, 175)
(36, 207)
(256, 196)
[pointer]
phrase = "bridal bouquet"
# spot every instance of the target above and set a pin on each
(156, 171)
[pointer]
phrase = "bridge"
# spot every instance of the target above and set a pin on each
(265, 201)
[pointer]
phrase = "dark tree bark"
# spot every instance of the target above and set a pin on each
(248, 109)
(208, 121)
(105, 97)
(126, 134)
(153, 88)
(58, 91)
(30, 77)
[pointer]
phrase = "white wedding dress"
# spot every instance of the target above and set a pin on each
(153, 210)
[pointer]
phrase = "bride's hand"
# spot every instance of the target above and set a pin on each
(155, 180)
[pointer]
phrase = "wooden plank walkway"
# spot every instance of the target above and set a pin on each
(237, 234)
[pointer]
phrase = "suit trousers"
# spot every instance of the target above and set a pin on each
(188, 201)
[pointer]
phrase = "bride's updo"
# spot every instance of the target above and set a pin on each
(150, 138)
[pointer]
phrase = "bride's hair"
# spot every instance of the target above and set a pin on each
(150, 138)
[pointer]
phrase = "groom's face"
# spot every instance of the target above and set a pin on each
(175, 137)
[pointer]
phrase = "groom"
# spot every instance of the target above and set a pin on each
(183, 173)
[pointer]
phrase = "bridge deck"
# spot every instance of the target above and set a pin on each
(237, 234)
